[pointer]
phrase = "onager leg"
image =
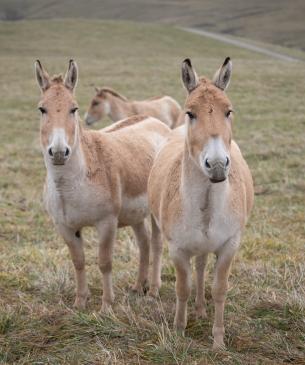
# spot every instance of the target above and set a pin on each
(220, 287)
(200, 301)
(74, 242)
(183, 288)
(107, 232)
(156, 251)
(142, 238)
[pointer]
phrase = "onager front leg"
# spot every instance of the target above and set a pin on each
(107, 232)
(142, 239)
(183, 288)
(74, 242)
(200, 301)
(219, 290)
(156, 251)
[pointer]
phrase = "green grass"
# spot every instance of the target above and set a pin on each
(265, 307)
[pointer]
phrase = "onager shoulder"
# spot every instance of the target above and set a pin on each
(165, 198)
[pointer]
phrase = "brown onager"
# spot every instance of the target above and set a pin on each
(205, 197)
(109, 102)
(95, 178)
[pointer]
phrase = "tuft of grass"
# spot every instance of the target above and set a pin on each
(265, 308)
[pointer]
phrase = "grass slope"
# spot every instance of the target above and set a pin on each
(265, 307)
(275, 21)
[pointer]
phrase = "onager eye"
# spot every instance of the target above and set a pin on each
(42, 110)
(228, 113)
(190, 115)
(95, 103)
(73, 110)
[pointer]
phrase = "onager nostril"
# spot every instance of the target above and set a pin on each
(227, 161)
(50, 151)
(67, 152)
(207, 165)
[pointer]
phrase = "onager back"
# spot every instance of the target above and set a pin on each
(205, 197)
(116, 106)
(95, 178)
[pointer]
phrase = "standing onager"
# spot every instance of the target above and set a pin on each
(117, 107)
(95, 178)
(205, 197)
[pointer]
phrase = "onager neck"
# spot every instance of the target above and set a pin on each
(198, 191)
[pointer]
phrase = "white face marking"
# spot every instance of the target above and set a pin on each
(57, 140)
(214, 159)
(58, 150)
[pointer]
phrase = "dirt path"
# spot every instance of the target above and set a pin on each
(241, 44)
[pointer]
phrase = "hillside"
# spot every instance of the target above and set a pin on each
(277, 21)
(265, 308)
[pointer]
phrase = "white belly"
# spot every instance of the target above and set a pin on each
(133, 210)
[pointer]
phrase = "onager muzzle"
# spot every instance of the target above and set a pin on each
(216, 161)
(59, 151)
(89, 119)
(218, 169)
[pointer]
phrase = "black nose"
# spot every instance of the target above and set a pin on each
(67, 152)
(50, 151)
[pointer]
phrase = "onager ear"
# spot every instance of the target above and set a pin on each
(71, 76)
(222, 77)
(97, 89)
(42, 77)
(189, 76)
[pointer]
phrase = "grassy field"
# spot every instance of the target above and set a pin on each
(274, 21)
(265, 311)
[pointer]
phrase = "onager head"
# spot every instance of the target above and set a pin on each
(99, 106)
(59, 117)
(208, 119)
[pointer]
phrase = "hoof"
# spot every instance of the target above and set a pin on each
(106, 309)
(201, 313)
(219, 346)
(153, 292)
(179, 329)
(80, 302)
(140, 289)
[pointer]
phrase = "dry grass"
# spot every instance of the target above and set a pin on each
(279, 22)
(265, 308)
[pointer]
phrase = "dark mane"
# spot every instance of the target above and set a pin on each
(112, 92)
(57, 79)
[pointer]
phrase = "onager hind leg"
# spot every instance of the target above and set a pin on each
(74, 242)
(107, 232)
(183, 288)
(220, 286)
(200, 301)
(142, 238)
(156, 251)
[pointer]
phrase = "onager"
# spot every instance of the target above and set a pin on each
(95, 178)
(116, 107)
(205, 197)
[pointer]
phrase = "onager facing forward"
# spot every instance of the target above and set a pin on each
(116, 107)
(205, 197)
(95, 178)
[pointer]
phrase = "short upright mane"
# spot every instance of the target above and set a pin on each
(112, 92)
(57, 79)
